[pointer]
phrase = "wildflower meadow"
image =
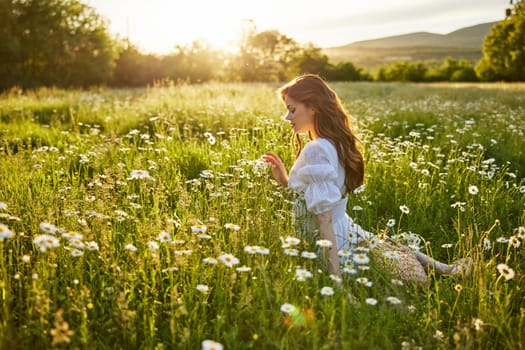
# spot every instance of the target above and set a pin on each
(145, 219)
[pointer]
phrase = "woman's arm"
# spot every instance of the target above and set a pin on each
(278, 169)
(326, 231)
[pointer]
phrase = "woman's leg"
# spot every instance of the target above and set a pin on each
(462, 267)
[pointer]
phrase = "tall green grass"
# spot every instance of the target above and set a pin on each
(138, 261)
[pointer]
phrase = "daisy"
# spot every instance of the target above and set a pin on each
(506, 271)
(243, 269)
(153, 246)
(373, 242)
(130, 247)
(251, 249)
(211, 345)
(324, 243)
(263, 250)
(228, 260)
(514, 242)
(210, 261)
(199, 228)
(203, 288)
(140, 174)
(521, 232)
(302, 274)
(477, 323)
(393, 300)
(77, 243)
(232, 227)
(48, 228)
(72, 235)
(3, 206)
(446, 245)
(291, 252)
(327, 291)
(5, 232)
(392, 254)
(391, 223)
(308, 255)
(350, 270)
(164, 237)
(26, 259)
(92, 245)
(404, 209)
(344, 253)
(290, 241)
(473, 189)
(287, 308)
(76, 253)
(336, 278)
(361, 258)
(371, 301)
(397, 282)
(43, 242)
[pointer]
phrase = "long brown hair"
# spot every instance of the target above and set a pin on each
(330, 122)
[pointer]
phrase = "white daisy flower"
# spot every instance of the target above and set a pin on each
(324, 243)
(327, 291)
(302, 274)
(371, 301)
(92, 245)
(393, 300)
(5, 232)
(130, 247)
(309, 255)
(228, 260)
(210, 261)
(506, 271)
(164, 237)
(48, 228)
(361, 258)
(211, 345)
(404, 209)
(288, 308)
(243, 269)
(291, 252)
(43, 242)
(203, 288)
(473, 189)
(153, 246)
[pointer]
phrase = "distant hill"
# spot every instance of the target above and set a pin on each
(465, 43)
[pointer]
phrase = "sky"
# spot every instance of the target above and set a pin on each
(157, 26)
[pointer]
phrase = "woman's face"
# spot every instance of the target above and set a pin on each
(300, 116)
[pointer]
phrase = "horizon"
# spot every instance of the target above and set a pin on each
(161, 25)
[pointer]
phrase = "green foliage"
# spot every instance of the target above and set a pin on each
(504, 49)
(68, 159)
(58, 42)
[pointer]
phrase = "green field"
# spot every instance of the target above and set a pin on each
(144, 219)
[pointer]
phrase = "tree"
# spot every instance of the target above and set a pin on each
(309, 59)
(504, 48)
(264, 56)
(53, 42)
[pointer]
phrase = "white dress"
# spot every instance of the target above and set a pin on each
(317, 179)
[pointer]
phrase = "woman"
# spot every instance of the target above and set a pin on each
(326, 170)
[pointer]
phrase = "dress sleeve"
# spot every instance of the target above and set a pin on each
(319, 174)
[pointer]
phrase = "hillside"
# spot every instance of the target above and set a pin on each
(464, 43)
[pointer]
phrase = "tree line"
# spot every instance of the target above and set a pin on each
(66, 43)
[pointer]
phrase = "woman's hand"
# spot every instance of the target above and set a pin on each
(278, 169)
